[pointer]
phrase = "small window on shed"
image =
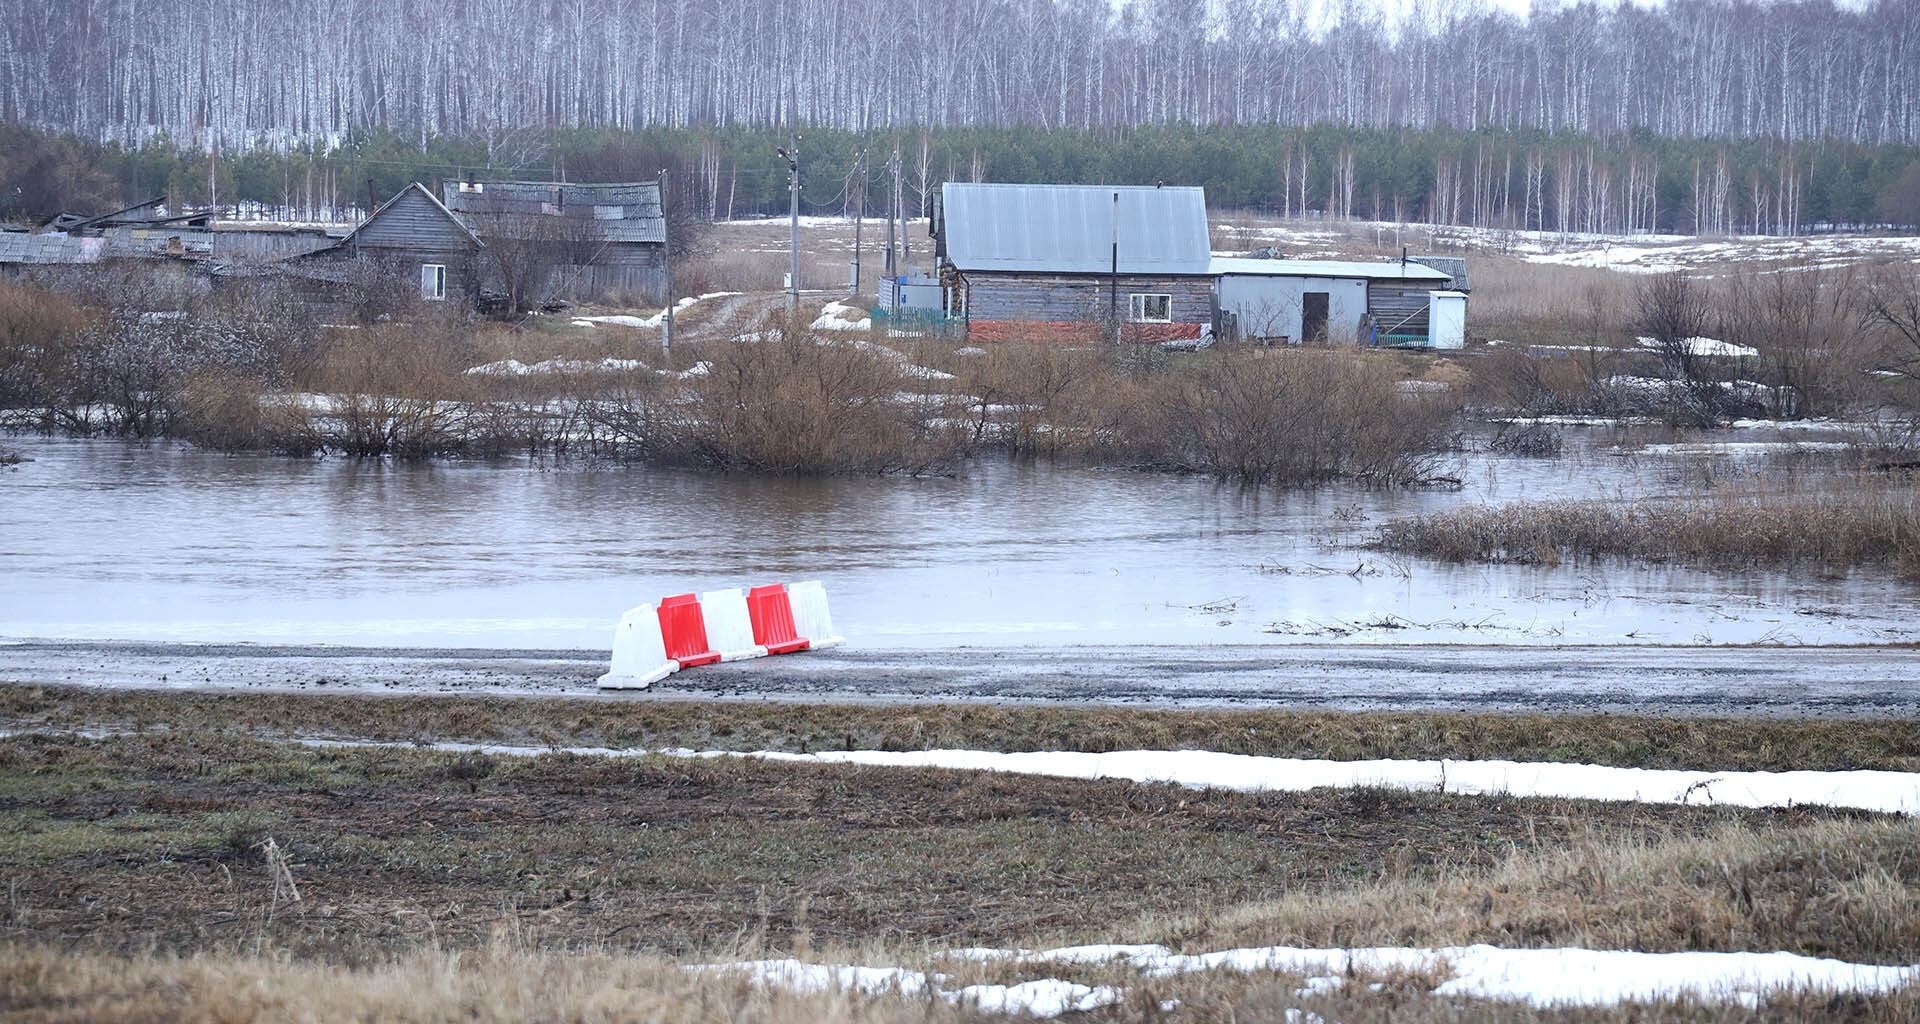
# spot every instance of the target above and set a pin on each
(1149, 308)
(433, 281)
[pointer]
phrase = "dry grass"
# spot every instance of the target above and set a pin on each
(1829, 528)
(488, 985)
(1832, 888)
(503, 985)
(1623, 740)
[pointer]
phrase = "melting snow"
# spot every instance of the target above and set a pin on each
(650, 322)
(1706, 347)
(1048, 997)
(516, 368)
(833, 318)
(1538, 977)
(1895, 792)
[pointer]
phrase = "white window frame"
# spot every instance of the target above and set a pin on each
(433, 281)
(1138, 303)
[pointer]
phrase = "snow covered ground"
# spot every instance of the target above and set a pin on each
(1638, 254)
(1537, 977)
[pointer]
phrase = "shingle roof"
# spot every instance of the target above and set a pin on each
(1373, 271)
(1071, 228)
(626, 211)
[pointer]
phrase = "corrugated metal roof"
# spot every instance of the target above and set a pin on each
(622, 211)
(1070, 228)
(1374, 271)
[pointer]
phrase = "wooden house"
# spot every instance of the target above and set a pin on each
(1033, 261)
(414, 235)
(607, 241)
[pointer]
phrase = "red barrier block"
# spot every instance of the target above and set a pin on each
(772, 616)
(684, 631)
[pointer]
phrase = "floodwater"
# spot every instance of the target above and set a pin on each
(110, 540)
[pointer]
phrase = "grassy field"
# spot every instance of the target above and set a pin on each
(197, 868)
(1621, 740)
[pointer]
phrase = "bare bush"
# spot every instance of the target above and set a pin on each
(1671, 310)
(38, 332)
(788, 401)
(1804, 325)
(1890, 305)
(386, 391)
(1302, 417)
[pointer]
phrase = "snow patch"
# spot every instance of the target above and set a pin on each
(516, 368)
(1887, 791)
(1047, 997)
(653, 322)
(834, 317)
(1706, 348)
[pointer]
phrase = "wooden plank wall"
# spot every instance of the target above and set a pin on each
(413, 222)
(1390, 302)
(1060, 298)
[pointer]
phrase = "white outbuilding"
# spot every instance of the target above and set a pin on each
(1401, 302)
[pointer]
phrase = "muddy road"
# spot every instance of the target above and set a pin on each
(1827, 682)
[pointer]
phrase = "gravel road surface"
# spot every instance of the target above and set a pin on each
(1834, 682)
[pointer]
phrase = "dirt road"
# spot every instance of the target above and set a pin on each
(1834, 682)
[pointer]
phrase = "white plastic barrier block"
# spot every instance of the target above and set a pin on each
(639, 654)
(811, 618)
(729, 626)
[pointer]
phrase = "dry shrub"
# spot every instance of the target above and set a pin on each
(1865, 521)
(787, 401)
(1040, 397)
(1301, 417)
(1526, 382)
(38, 333)
(389, 390)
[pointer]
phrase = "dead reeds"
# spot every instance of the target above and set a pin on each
(1829, 527)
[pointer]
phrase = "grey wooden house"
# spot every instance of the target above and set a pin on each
(413, 235)
(1075, 261)
(608, 241)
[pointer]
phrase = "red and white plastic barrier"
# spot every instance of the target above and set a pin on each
(654, 641)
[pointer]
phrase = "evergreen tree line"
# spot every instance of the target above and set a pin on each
(235, 73)
(1568, 182)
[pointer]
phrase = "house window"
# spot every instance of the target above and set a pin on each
(1150, 309)
(433, 281)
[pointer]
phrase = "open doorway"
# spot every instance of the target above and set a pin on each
(1313, 317)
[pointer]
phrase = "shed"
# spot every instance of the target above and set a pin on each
(1073, 260)
(609, 239)
(1290, 301)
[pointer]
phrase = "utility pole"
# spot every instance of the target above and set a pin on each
(1113, 286)
(666, 236)
(859, 214)
(793, 191)
(893, 208)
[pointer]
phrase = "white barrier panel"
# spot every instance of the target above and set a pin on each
(639, 655)
(729, 627)
(811, 618)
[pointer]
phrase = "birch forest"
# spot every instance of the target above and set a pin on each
(240, 73)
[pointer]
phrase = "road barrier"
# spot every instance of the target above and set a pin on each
(684, 631)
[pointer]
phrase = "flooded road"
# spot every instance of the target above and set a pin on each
(110, 541)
